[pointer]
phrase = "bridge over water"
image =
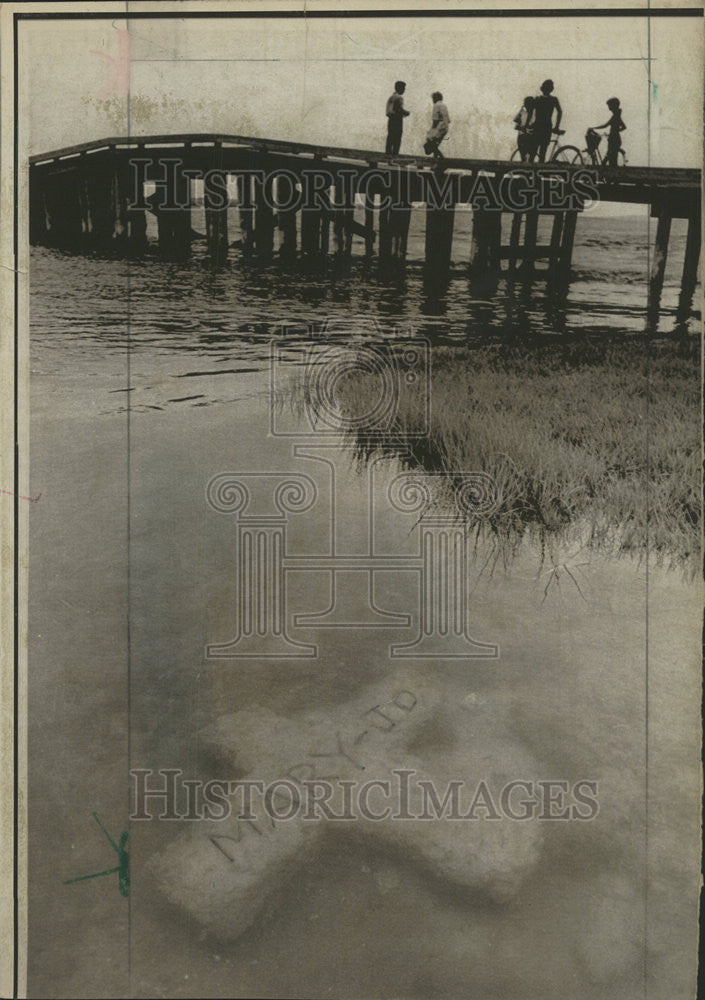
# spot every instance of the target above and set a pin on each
(94, 196)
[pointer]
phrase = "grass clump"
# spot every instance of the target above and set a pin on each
(599, 439)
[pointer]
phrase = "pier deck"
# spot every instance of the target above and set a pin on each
(94, 194)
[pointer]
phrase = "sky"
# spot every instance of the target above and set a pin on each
(327, 81)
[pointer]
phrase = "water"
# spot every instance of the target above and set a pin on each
(131, 575)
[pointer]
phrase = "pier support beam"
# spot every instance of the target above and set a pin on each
(315, 214)
(312, 224)
(658, 269)
(531, 228)
(100, 184)
(37, 209)
(264, 218)
(394, 219)
(64, 209)
(369, 230)
(315, 225)
(174, 217)
(400, 230)
(134, 220)
(245, 212)
(565, 260)
(486, 240)
(286, 197)
(514, 240)
(555, 248)
(439, 235)
(217, 217)
(386, 223)
(690, 268)
(343, 215)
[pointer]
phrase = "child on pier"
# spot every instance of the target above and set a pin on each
(615, 125)
(523, 124)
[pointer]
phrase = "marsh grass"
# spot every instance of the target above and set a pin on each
(592, 443)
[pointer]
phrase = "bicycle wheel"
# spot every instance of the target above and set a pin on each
(567, 154)
(516, 156)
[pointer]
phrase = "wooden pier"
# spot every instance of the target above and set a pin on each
(299, 200)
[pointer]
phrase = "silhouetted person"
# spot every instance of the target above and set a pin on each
(615, 125)
(395, 118)
(526, 141)
(440, 123)
(544, 106)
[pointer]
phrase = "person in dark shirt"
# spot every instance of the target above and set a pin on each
(395, 118)
(615, 125)
(544, 106)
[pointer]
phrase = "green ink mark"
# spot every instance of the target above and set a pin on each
(122, 870)
(654, 92)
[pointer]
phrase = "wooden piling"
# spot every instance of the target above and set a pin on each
(385, 229)
(326, 214)
(514, 240)
(173, 217)
(133, 219)
(530, 233)
(554, 262)
(64, 210)
(439, 234)
(658, 269)
(310, 230)
(100, 191)
(286, 217)
(37, 209)
(137, 222)
(245, 211)
(217, 216)
(394, 219)
(370, 199)
(690, 267)
(315, 219)
(83, 200)
(343, 216)
(264, 219)
(400, 230)
(570, 220)
(486, 240)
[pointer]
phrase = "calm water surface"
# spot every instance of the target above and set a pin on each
(147, 379)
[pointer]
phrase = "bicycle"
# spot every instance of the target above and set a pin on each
(592, 150)
(562, 154)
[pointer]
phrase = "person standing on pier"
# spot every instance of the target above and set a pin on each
(615, 125)
(544, 106)
(395, 118)
(526, 140)
(440, 122)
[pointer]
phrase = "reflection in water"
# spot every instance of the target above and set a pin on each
(166, 303)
